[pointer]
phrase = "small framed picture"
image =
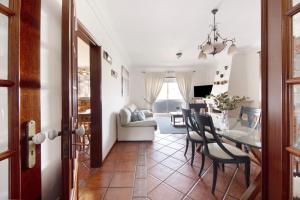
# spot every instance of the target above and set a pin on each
(107, 57)
(114, 74)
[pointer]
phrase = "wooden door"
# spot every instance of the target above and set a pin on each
(69, 96)
(280, 96)
(9, 92)
(291, 88)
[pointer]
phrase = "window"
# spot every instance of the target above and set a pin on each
(169, 98)
(170, 90)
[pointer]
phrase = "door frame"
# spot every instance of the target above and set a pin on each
(96, 94)
(70, 25)
(275, 125)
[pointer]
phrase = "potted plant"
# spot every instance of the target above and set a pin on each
(224, 102)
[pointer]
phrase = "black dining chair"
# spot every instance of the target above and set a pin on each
(250, 117)
(197, 106)
(219, 152)
(192, 135)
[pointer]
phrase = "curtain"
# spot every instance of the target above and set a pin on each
(153, 84)
(184, 81)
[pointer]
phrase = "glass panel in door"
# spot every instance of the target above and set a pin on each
(3, 46)
(3, 120)
(295, 2)
(4, 188)
(295, 117)
(5, 2)
(295, 139)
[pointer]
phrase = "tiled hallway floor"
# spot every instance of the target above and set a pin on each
(156, 170)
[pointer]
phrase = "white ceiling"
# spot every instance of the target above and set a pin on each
(153, 31)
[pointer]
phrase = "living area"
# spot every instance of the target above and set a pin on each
(208, 77)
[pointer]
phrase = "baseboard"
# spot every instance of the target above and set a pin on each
(112, 146)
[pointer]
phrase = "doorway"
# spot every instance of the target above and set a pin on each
(89, 106)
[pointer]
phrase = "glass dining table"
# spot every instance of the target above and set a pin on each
(238, 132)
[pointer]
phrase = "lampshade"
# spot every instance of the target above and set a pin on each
(208, 48)
(202, 55)
(219, 46)
(232, 49)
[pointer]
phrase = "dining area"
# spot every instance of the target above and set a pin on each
(224, 140)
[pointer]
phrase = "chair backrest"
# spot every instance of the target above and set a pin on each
(197, 106)
(250, 117)
(187, 115)
(204, 122)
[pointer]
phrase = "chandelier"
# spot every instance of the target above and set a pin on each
(215, 43)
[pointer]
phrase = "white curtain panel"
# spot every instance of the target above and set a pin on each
(185, 81)
(153, 84)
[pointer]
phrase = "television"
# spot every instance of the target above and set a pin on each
(202, 90)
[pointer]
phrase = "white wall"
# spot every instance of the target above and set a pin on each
(204, 76)
(245, 78)
(51, 96)
(112, 101)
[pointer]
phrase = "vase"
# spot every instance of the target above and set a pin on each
(225, 124)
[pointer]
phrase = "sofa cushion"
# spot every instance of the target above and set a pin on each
(125, 116)
(148, 122)
(132, 107)
(137, 116)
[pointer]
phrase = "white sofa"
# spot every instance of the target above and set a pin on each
(138, 130)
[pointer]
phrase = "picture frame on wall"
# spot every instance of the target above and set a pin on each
(107, 57)
(125, 82)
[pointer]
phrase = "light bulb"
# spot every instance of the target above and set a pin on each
(232, 49)
(202, 55)
(208, 48)
(219, 47)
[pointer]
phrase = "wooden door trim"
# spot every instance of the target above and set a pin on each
(96, 95)
(7, 11)
(6, 154)
(13, 95)
(66, 74)
(84, 34)
(30, 107)
(275, 135)
(264, 91)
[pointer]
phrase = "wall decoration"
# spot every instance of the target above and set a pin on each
(125, 82)
(107, 57)
(222, 76)
(114, 74)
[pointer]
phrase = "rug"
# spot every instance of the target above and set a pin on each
(165, 126)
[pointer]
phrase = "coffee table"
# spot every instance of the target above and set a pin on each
(177, 115)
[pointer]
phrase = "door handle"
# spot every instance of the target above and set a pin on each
(32, 139)
(52, 134)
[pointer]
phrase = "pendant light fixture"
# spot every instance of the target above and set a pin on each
(215, 43)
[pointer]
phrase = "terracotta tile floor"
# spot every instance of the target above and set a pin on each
(156, 170)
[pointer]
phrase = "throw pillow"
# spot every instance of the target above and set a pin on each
(147, 113)
(137, 116)
(141, 116)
